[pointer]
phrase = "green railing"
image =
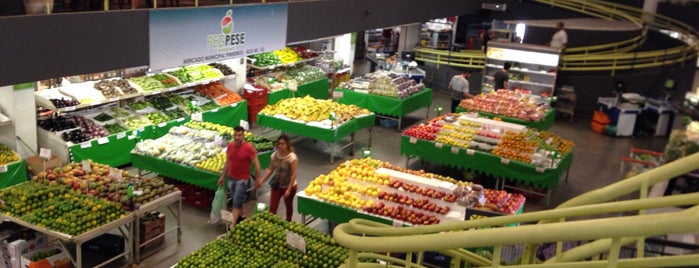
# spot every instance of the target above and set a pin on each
(565, 223)
(603, 57)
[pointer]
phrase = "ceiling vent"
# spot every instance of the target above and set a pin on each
(494, 6)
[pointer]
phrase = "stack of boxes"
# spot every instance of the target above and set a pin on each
(17, 241)
(150, 226)
(256, 99)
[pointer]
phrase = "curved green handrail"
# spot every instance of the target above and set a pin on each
(603, 57)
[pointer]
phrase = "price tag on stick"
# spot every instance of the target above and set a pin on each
(87, 167)
(3, 168)
(115, 174)
(454, 150)
(121, 135)
(45, 153)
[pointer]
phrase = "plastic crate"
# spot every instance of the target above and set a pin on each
(255, 98)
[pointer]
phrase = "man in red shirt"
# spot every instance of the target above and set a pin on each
(236, 170)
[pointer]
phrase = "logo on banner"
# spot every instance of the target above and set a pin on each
(227, 40)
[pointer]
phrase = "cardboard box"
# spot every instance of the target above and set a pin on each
(35, 164)
(58, 260)
(151, 226)
(14, 246)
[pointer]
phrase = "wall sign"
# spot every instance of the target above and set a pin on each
(181, 37)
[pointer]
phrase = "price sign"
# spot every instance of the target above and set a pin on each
(454, 150)
(413, 140)
(196, 117)
(132, 137)
(214, 110)
(86, 145)
(155, 92)
(296, 241)
(218, 139)
(163, 124)
(540, 169)
(115, 173)
(504, 161)
(45, 153)
(366, 153)
(234, 104)
(396, 223)
(87, 167)
(244, 124)
(121, 135)
(470, 151)
(438, 144)
(338, 94)
(103, 140)
(69, 108)
(180, 119)
(3, 168)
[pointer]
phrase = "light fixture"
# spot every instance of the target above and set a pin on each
(494, 6)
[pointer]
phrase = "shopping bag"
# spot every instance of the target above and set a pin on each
(217, 205)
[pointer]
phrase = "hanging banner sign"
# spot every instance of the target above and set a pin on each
(181, 37)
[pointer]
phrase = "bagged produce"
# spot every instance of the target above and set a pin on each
(217, 205)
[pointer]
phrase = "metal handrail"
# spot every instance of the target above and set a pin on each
(606, 234)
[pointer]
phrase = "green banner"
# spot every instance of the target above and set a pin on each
(16, 173)
(391, 106)
(324, 134)
(485, 162)
(23, 86)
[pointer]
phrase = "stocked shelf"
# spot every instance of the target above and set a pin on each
(519, 70)
(251, 63)
(533, 67)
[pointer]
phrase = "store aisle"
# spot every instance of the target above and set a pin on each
(596, 163)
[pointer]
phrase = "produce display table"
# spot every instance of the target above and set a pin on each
(485, 162)
(317, 89)
(545, 123)
(388, 107)
(191, 175)
(331, 136)
(114, 150)
(124, 224)
(13, 173)
(168, 201)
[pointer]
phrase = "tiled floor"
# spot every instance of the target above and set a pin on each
(596, 164)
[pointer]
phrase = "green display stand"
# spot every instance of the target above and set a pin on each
(16, 173)
(115, 149)
(391, 106)
(331, 212)
(543, 124)
(317, 89)
(324, 134)
(485, 162)
(187, 174)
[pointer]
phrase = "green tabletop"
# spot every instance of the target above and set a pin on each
(188, 174)
(331, 212)
(485, 162)
(544, 124)
(114, 150)
(317, 89)
(391, 106)
(16, 173)
(325, 134)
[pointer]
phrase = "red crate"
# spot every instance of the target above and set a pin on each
(255, 98)
(201, 202)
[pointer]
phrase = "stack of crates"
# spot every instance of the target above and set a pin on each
(257, 99)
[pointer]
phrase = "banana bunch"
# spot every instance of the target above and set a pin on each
(287, 55)
(308, 109)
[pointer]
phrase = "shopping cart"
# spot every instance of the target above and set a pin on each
(640, 161)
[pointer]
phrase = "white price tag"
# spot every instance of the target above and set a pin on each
(396, 223)
(540, 169)
(271, 67)
(155, 92)
(131, 137)
(45, 153)
(413, 140)
(226, 215)
(137, 192)
(470, 151)
(454, 150)
(86, 145)
(87, 167)
(338, 94)
(218, 139)
(504, 161)
(3, 168)
(438, 144)
(214, 110)
(163, 124)
(69, 108)
(103, 140)
(115, 173)
(197, 117)
(234, 104)
(120, 135)
(296, 241)
(180, 119)
(244, 124)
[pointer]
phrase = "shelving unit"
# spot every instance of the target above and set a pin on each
(440, 40)
(533, 67)
(565, 102)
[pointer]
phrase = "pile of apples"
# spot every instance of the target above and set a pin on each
(402, 213)
(507, 103)
(424, 131)
(423, 203)
(501, 201)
